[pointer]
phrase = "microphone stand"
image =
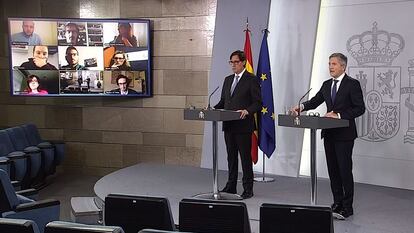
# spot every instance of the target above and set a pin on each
(209, 106)
(297, 119)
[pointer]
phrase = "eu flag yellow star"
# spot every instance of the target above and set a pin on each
(264, 110)
(263, 77)
(273, 115)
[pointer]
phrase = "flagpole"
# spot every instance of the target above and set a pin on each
(263, 178)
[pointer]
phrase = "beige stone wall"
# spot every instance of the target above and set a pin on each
(105, 134)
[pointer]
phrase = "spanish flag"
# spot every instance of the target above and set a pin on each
(249, 68)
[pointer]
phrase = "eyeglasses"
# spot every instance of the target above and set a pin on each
(122, 83)
(234, 62)
(118, 58)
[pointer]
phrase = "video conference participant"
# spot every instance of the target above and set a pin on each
(240, 92)
(72, 57)
(27, 35)
(123, 83)
(119, 61)
(72, 34)
(39, 59)
(344, 100)
(33, 86)
(125, 36)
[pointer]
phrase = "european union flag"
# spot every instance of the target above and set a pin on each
(267, 137)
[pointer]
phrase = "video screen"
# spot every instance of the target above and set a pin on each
(80, 57)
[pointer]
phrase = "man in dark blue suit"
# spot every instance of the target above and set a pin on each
(344, 100)
(240, 92)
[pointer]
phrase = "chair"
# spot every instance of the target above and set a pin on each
(18, 225)
(157, 231)
(16, 206)
(196, 215)
(278, 218)
(69, 227)
(35, 139)
(134, 213)
(19, 164)
(41, 160)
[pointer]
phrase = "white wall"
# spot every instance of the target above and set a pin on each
(383, 155)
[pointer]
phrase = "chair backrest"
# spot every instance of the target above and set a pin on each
(8, 197)
(18, 138)
(6, 145)
(32, 134)
(278, 218)
(69, 227)
(18, 225)
(134, 213)
(197, 215)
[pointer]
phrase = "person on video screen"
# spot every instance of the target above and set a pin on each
(119, 61)
(33, 86)
(72, 57)
(39, 60)
(72, 34)
(125, 36)
(123, 83)
(27, 35)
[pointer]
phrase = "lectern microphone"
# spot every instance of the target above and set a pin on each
(300, 100)
(209, 97)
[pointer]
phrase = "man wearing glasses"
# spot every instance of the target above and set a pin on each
(240, 92)
(123, 82)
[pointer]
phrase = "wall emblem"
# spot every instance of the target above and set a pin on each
(374, 52)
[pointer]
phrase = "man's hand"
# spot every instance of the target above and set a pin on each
(243, 113)
(39, 62)
(331, 114)
(294, 111)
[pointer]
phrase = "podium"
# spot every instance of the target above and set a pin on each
(313, 123)
(213, 115)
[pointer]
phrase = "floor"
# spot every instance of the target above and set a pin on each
(377, 209)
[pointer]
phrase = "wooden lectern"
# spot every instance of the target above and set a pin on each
(214, 115)
(313, 123)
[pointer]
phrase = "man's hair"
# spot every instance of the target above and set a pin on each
(72, 25)
(34, 47)
(68, 49)
(125, 77)
(240, 54)
(342, 58)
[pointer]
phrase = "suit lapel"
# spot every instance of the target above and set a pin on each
(239, 85)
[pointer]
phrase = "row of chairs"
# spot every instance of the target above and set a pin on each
(26, 157)
(29, 226)
(135, 213)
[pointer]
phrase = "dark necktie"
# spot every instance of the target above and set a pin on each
(333, 93)
(234, 84)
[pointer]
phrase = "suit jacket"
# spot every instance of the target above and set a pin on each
(349, 103)
(118, 91)
(247, 96)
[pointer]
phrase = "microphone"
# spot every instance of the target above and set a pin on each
(209, 97)
(300, 100)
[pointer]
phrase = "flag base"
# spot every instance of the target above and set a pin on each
(264, 179)
(219, 196)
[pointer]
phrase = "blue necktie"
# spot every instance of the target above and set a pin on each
(234, 84)
(333, 93)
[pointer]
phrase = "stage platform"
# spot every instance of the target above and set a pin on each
(377, 209)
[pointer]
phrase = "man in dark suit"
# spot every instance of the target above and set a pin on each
(123, 83)
(240, 92)
(343, 98)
